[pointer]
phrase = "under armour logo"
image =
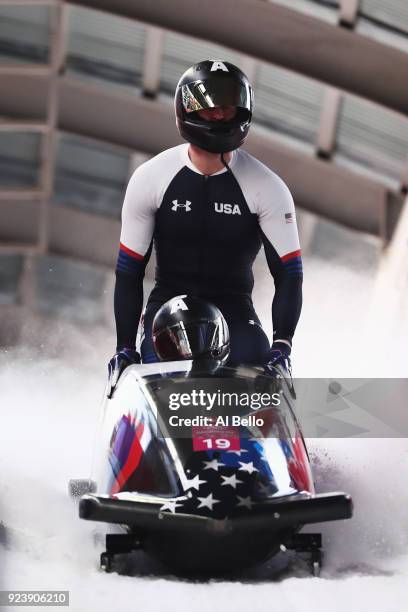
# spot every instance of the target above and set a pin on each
(252, 322)
(186, 206)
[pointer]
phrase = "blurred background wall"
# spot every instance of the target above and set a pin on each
(86, 91)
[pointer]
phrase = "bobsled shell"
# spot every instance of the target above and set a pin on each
(139, 457)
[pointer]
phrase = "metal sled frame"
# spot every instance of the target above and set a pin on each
(280, 519)
(275, 514)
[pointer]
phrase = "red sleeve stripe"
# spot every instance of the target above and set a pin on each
(291, 255)
(130, 252)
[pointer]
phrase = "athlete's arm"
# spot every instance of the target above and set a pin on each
(281, 242)
(134, 252)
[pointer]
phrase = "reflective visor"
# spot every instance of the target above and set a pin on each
(217, 91)
(189, 341)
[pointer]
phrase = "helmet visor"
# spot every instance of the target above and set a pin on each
(216, 91)
(183, 341)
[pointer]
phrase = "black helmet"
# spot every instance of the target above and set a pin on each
(187, 327)
(206, 85)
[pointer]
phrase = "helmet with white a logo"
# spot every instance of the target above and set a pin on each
(187, 327)
(207, 85)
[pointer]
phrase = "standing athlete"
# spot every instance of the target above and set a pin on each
(208, 206)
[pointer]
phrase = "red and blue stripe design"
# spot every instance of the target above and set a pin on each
(128, 261)
(292, 263)
(126, 451)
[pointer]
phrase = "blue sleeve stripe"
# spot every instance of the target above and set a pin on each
(127, 263)
(295, 272)
(294, 266)
(292, 261)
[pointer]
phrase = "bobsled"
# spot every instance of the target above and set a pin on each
(206, 471)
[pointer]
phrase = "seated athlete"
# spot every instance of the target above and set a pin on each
(208, 206)
(187, 327)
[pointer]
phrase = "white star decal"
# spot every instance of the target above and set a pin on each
(247, 467)
(232, 481)
(194, 483)
(170, 505)
(264, 489)
(246, 502)
(213, 465)
(207, 502)
(238, 452)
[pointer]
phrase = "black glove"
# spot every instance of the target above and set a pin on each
(279, 355)
(279, 364)
(119, 362)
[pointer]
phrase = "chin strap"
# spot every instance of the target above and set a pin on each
(226, 164)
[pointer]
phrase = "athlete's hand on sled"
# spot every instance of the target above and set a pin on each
(279, 364)
(279, 355)
(119, 362)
